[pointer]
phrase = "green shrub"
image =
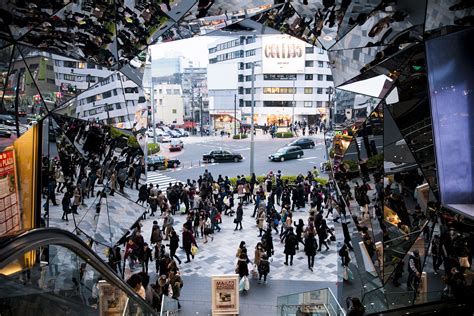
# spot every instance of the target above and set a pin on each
(375, 161)
(291, 180)
(283, 134)
(240, 136)
(351, 164)
(153, 148)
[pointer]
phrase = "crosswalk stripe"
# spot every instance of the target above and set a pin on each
(160, 179)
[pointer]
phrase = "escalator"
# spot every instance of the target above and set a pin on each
(53, 272)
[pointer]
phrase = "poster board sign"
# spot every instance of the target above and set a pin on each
(112, 300)
(283, 54)
(9, 203)
(225, 294)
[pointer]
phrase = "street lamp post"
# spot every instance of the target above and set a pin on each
(235, 114)
(252, 124)
(152, 105)
(293, 102)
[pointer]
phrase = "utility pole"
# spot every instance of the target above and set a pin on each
(293, 102)
(235, 114)
(333, 119)
(200, 111)
(252, 125)
(152, 105)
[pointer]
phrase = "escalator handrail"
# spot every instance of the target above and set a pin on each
(12, 248)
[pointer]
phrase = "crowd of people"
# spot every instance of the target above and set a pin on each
(204, 204)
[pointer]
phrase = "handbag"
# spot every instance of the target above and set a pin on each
(464, 262)
(246, 283)
(194, 250)
(254, 272)
(235, 221)
(345, 274)
(241, 284)
(332, 238)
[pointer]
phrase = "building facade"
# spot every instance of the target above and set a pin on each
(291, 80)
(195, 95)
(168, 104)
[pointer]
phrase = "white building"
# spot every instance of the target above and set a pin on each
(287, 72)
(106, 96)
(168, 104)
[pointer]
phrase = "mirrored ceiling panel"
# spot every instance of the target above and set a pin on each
(245, 27)
(442, 13)
(208, 8)
(18, 17)
(82, 30)
(5, 61)
(356, 13)
(349, 63)
(391, 22)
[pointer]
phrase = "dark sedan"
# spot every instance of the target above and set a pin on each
(285, 153)
(157, 162)
(304, 143)
(221, 155)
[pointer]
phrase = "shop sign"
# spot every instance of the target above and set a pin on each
(9, 205)
(283, 54)
(225, 294)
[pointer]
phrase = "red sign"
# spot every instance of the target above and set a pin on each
(9, 205)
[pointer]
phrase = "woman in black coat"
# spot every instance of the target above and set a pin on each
(290, 246)
(323, 234)
(174, 244)
(242, 265)
(310, 246)
(239, 216)
(267, 242)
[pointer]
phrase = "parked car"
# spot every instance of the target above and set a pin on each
(7, 119)
(285, 153)
(176, 145)
(221, 155)
(156, 162)
(303, 143)
(5, 133)
(182, 131)
(174, 134)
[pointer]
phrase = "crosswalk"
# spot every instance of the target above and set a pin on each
(162, 180)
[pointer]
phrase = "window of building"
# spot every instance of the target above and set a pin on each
(277, 104)
(106, 94)
(328, 77)
(69, 64)
(308, 104)
(90, 79)
(248, 65)
(115, 91)
(279, 77)
(90, 66)
(241, 102)
(309, 50)
(48, 80)
(176, 91)
(241, 66)
(168, 91)
(248, 78)
(241, 90)
(91, 99)
(308, 90)
(276, 90)
(173, 111)
(118, 106)
(320, 77)
(319, 91)
(249, 53)
(320, 64)
(250, 39)
(328, 90)
(249, 103)
(320, 51)
(319, 104)
(241, 78)
(248, 91)
(160, 101)
(308, 77)
(328, 65)
(309, 63)
(57, 63)
(69, 77)
(49, 67)
(160, 91)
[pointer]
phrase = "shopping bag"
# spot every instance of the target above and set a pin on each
(350, 275)
(246, 283)
(254, 272)
(345, 274)
(194, 250)
(242, 284)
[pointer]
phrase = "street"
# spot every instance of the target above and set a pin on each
(194, 147)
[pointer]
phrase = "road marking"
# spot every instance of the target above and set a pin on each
(307, 158)
(242, 149)
(162, 180)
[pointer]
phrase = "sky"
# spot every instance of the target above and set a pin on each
(193, 48)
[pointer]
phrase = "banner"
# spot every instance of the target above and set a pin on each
(9, 205)
(283, 54)
(225, 294)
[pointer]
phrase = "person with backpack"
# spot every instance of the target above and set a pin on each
(310, 246)
(290, 246)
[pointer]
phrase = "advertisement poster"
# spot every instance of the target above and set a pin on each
(283, 54)
(9, 205)
(225, 294)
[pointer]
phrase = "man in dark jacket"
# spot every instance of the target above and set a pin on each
(239, 216)
(414, 270)
(188, 241)
(290, 246)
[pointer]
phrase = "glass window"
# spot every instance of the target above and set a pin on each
(309, 50)
(161, 101)
(320, 77)
(320, 64)
(241, 78)
(308, 90)
(241, 102)
(81, 65)
(319, 104)
(107, 94)
(309, 63)
(118, 106)
(328, 78)
(173, 111)
(276, 90)
(308, 104)
(320, 51)
(168, 91)
(319, 91)
(308, 77)
(241, 90)
(241, 66)
(176, 91)
(69, 64)
(248, 78)
(90, 66)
